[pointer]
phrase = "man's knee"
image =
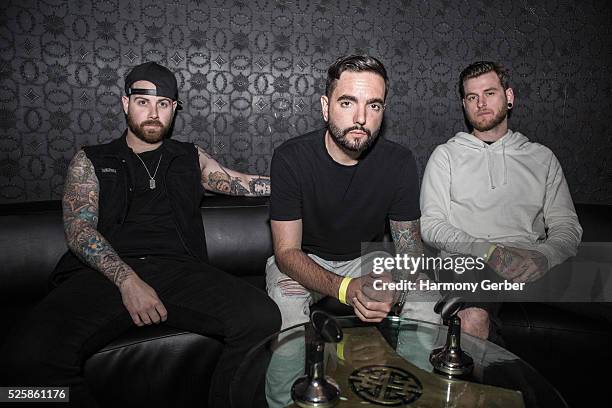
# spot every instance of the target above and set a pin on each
(291, 298)
(475, 321)
(260, 316)
(269, 316)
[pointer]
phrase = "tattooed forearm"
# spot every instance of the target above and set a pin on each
(259, 186)
(222, 180)
(407, 237)
(80, 212)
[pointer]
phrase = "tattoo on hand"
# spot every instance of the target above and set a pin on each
(501, 260)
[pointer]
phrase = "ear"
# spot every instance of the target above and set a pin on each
(510, 95)
(174, 105)
(325, 107)
(463, 103)
(125, 100)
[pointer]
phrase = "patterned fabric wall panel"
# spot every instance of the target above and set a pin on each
(251, 74)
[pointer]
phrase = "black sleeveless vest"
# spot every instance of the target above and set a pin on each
(115, 176)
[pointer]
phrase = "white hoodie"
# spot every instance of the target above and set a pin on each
(512, 191)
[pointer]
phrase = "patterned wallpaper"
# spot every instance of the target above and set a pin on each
(251, 73)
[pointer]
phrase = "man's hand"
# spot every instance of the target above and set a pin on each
(505, 262)
(375, 287)
(533, 267)
(367, 309)
(142, 302)
(518, 265)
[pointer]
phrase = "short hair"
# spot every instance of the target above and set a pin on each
(479, 68)
(354, 63)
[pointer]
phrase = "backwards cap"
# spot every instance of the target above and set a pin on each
(161, 77)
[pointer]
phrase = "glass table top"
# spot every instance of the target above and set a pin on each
(398, 350)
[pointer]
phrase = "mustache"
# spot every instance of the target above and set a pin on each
(359, 128)
(151, 123)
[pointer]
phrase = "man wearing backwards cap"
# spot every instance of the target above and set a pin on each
(137, 254)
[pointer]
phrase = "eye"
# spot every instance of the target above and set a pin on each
(345, 104)
(141, 102)
(470, 98)
(376, 107)
(164, 104)
(490, 93)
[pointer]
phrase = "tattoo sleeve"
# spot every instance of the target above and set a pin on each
(222, 180)
(407, 239)
(80, 214)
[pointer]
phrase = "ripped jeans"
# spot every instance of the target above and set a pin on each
(294, 300)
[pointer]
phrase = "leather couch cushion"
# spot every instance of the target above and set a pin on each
(147, 357)
(238, 238)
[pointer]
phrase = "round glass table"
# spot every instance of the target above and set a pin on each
(387, 364)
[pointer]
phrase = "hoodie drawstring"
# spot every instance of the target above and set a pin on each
(490, 165)
(487, 155)
(504, 161)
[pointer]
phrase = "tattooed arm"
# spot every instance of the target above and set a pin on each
(220, 179)
(518, 265)
(407, 239)
(80, 211)
(80, 214)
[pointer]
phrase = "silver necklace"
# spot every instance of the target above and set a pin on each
(151, 177)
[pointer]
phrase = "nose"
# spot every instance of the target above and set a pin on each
(360, 115)
(480, 102)
(153, 114)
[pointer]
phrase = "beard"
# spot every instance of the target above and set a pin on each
(485, 124)
(355, 146)
(148, 134)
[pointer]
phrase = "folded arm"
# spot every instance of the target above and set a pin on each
(220, 179)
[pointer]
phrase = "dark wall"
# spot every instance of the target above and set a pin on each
(251, 73)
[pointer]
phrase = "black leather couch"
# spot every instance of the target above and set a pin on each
(160, 366)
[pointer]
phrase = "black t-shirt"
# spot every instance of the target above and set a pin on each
(149, 227)
(342, 206)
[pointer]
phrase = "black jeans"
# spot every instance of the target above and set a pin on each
(85, 312)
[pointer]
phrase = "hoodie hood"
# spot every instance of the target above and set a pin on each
(507, 144)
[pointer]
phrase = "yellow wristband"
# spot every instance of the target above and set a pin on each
(489, 252)
(342, 289)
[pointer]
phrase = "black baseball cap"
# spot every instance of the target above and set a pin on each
(163, 79)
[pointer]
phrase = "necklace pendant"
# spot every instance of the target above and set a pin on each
(152, 184)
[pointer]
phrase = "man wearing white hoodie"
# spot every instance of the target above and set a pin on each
(494, 194)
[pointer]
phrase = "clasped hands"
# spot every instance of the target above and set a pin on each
(371, 302)
(518, 265)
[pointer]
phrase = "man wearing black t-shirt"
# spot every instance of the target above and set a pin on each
(334, 189)
(137, 255)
